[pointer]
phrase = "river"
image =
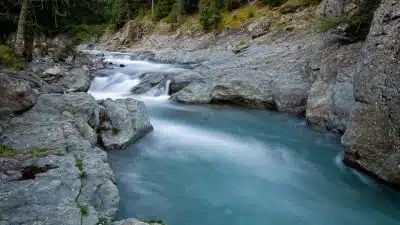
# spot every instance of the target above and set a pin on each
(215, 165)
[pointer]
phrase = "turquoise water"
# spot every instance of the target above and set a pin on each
(223, 166)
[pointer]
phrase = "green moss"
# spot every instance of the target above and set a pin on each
(8, 59)
(152, 221)
(6, 151)
(36, 151)
(84, 209)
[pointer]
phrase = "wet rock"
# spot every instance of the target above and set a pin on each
(372, 140)
(15, 94)
(149, 81)
(123, 121)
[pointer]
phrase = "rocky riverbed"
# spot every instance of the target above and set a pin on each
(343, 81)
(51, 168)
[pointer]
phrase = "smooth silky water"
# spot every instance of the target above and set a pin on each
(224, 166)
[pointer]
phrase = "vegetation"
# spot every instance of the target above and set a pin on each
(84, 209)
(36, 151)
(8, 59)
(115, 131)
(79, 164)
(6, 151)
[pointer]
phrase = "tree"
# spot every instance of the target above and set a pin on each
(19, 40)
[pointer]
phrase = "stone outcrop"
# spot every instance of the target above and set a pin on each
(74, 183)
(123, 121)
(331, 97)
(16, 94)
(372, 138)
(337, 8)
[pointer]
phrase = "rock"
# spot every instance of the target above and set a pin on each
(78, 80)
(78, 186)
(16, 94)
(329, 9)
(123, 121)
(259, 27)
(121, 65)
(331, 95)
(153, 80)
(53, 71)
(240, 47)
(372, 140)
(182, 80)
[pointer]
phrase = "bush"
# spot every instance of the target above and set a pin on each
(210, 16)
(163, 8)
(8, 59)
(85, 32)
(274, 2)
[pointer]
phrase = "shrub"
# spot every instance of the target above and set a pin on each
(84, 209)
(8, 59)
(327, 24)
(163, 8)
(79, 164)
(209, 15)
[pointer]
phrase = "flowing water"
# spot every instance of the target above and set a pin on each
(223, 166)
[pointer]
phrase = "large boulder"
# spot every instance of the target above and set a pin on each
(123, 121)
(152, 82)
(15, 94)
(372, 138)
(259, 27)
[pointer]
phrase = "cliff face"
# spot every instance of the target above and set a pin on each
(372, 138)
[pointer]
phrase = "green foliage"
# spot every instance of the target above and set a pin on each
(36, 151)
(327, 24)
(6, 151)
(233, 4)
(274, 2)
(163, 8)
(84, 209)
(82, 175)
(84, 32)
(115, 131)
(8, 59)
(79, 164)
(176, 12)
(152, 221)
(210, 16)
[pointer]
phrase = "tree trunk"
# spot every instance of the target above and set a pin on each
(152, 8)
(19, 40)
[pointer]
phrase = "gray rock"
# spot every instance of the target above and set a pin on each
(78, 80)
(338, 8)
(372, 140)
(152, 82)
(123, 121)
(259, 27)
(15, 94)
(64, 191)
(331, 95)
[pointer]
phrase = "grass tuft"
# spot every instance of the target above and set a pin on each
(6, 151)
(84, 209)
(36, 151)
(79, 164)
